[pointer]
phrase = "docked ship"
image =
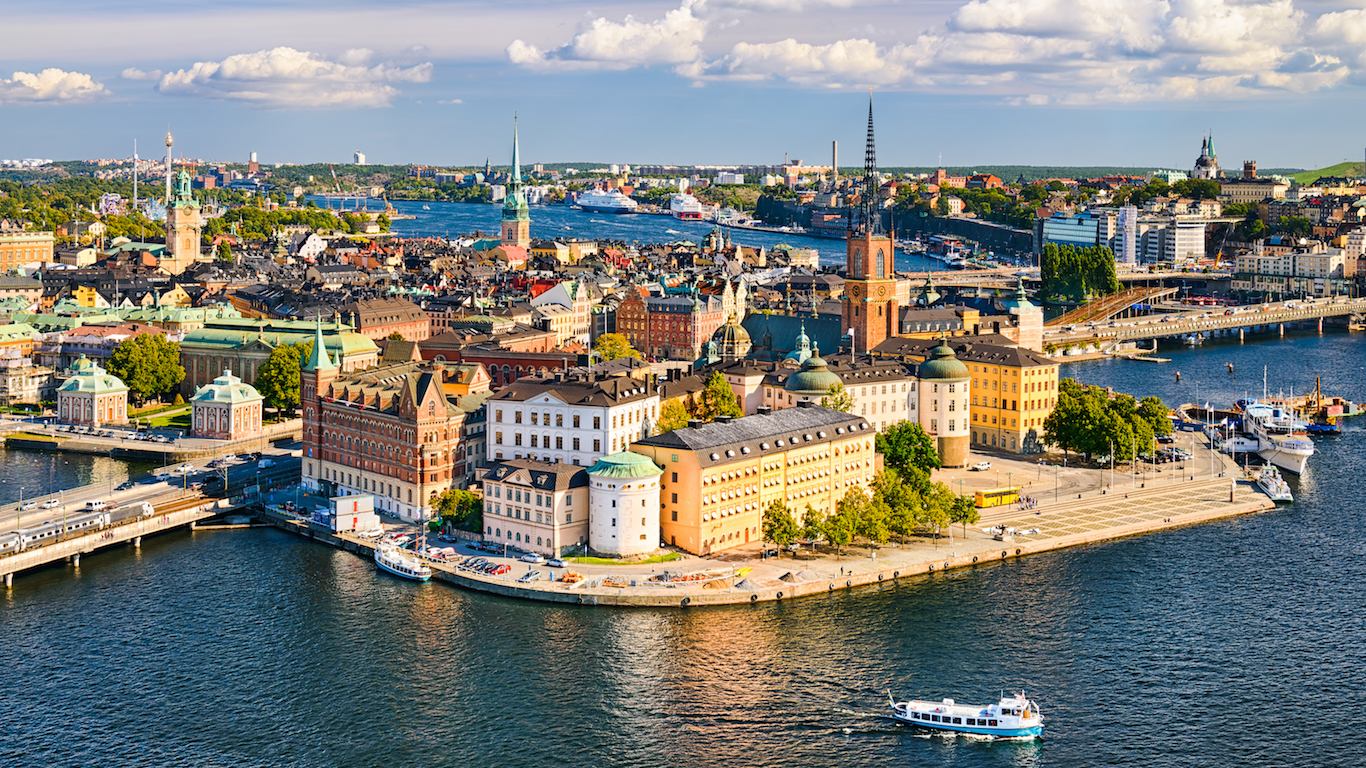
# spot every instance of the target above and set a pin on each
(1280, 440)
(1013, 717)
(1269, 480)
(685, 206)
(609, 201)
(391, 559)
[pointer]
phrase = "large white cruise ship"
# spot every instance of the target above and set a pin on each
(612, 201)
(1279, 441)
(685, 206)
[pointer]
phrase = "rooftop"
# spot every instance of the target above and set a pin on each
(723, 442)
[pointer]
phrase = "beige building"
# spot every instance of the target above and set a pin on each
(92, 397)
(1243, 190)
(718, 478)
(536, 506)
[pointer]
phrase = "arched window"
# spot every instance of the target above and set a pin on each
(881, 263)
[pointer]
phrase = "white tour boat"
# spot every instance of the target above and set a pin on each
(393, 560)
(1270, 480)
(1278, 440)
(685, 206)
(606, 201)
(1012, 717)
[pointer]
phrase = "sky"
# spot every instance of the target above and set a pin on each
(976, 82)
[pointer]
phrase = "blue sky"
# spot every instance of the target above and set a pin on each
(1064, 82)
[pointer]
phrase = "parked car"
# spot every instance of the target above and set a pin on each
(1165, 439)
(265, 463)
(980, 466)
(532, 557)
(50, 503)
(125, 485)
(499, 570)
(529, 577)
(28, 505)
(556, 562)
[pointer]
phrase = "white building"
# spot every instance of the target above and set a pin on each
(1083, 230)
(569, 419)
(538, 506)
(1185, 240)
(945, 384)
(573, 296)
(1127, 226)
(730, 178)
(359, 158)
(623, 517)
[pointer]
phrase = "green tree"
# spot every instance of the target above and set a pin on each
(874, 521)
(672, 415)
(278, 377)
(840, 527)
(779, 526)
(964, 511)
(906, 444)
(938, 506)
(901, 501)
(813, 524)
(614, 345)
(224, 251)
(718, 399)
(838, 398)
(149, 364)
(396, 336)
(460, 509)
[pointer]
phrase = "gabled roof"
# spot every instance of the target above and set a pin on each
(541, 475)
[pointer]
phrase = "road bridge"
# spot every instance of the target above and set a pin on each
(1209, 321)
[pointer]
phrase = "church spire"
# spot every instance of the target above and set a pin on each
(516, 223)
(871, 215)
(318, 359)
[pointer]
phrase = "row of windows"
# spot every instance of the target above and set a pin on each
(538, 442)
(988, 436)
(978, 721)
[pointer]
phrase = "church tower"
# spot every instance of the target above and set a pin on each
(870, 305)
(516, 222)
(183, 227)
(315, 377)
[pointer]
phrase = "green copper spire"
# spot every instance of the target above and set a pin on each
(318, 359)
(514, 204)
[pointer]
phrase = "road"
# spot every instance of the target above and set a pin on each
(1181, 320)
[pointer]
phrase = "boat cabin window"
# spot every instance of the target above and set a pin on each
(935, 718)
(972, 721)
(958, 721)
(991, 723)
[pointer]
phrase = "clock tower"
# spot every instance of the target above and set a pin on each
(870, 305)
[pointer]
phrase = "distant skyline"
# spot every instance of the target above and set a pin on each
(982, 82)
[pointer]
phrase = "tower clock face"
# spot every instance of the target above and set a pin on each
(882, 290)
(854, 290)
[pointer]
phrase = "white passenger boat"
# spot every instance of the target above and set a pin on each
(606, 201)
(1013, 717)
(394, 560)
(1278, 440)
(1269, 480)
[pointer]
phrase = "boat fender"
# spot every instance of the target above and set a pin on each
(685, 601)
(947, 565)
(1004, 553)
(849, 583)
(896, 574)
(879, 577)
(752, 598)
(931, 566)
(832, 585)
(780, 595)
(1017, 551)
(974, 558)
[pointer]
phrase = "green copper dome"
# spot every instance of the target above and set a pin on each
(813, 379)
(943, 364)
(625, 465)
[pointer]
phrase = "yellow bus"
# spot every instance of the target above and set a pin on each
(997, 497)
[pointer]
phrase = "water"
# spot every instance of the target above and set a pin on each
(551, 221)
(29, 474)
(1233, 643)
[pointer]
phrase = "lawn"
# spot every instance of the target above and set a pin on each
(36, 436)
(180, 419)
(154, 409)
(669, 558)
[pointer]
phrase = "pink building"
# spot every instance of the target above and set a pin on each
(227, 409)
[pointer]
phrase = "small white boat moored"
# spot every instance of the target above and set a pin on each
(1269, 480)
(1013, 717)
(399, 563)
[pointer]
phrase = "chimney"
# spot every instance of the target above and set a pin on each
(804, 404)
(1249, 169)
(724, 419)
(764, 410)
(694, 423)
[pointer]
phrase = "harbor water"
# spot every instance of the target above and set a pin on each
(1222, 644)
(550, 221)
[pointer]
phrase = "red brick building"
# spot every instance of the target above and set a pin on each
(675, 327)
(378, 318)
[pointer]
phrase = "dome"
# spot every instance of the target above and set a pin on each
(731, 332)
(1204, 162)
(802, 350)
(625, 465)
(813, 379)
(943, 364)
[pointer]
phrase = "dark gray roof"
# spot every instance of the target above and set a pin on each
(613, 390)
(543, 476)
(739, 439)
(989, 349)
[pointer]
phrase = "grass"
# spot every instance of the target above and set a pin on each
(1349, 169)
(36, 436)
(669, 558)
(153, 410)
(181, 419)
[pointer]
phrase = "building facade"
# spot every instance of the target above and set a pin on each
(19, 248)
(624, 488)
(227, 409)
(717, 479)
(571, 419)
(378, 319)
(537, 506)
(241, 346)
(92, 397)
(674, 327)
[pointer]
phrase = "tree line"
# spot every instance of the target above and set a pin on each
(1075, 274)
(1093, 421)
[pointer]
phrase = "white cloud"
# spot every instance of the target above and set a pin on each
(451, 101)
(133, 73)
(606, 44)
(285, 77)
(50, 85)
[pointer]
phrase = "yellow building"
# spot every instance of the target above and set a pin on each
(17, 248)
(1013, 390)
(720, 477)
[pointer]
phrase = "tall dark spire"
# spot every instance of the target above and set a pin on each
(870, 219)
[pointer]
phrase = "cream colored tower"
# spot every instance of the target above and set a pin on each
(183, 227)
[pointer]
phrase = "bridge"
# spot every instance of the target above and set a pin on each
(1005, 277)
(1206, 321)
(1109, 306)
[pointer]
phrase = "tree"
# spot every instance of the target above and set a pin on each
(461, 509)
(841, 526)
(672, 415)
(779, 526)
(874, 521)
(614, 345)
(278, 377)
(906, 444)
(813, 523)
(148, 363)
(838, 398)
(718, 399)
(395, 336)
(224, 251)
(964, 511)
(938, 506)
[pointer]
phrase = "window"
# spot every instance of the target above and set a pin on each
(674, 477)
(569, 517)
(576, 421)
(597, 446)
(559, 419)
(597, 423)
(675, 498)
(576, 443)
(517, 439)
(533, 437)
(559, 443)
(674, 516)
(533, 417)
(517, 417)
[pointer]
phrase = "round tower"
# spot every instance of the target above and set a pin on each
(623, 505)
(944, 396)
